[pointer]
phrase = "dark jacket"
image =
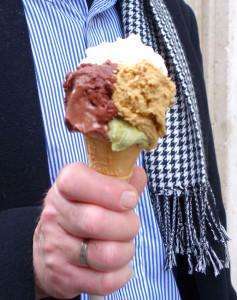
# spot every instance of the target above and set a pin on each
(24, 177)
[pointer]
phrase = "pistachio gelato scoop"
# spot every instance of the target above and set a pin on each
(122, 135)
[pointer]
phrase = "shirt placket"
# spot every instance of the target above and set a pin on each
(97, 8)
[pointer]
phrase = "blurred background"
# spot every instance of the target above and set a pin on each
(217, 21)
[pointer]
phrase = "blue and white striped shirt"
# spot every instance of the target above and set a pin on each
(60, 31)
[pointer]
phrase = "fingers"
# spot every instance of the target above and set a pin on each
(94, 222)
(101, 283)
(56, 257)
(83, 204)
(101, 256)
(69, 281)
(109, 256)
(79, 183)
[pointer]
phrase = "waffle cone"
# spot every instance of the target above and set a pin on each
(105, 161)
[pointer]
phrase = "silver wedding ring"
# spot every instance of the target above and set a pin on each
(83, 253)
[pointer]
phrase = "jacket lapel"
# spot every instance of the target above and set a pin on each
(24, 172)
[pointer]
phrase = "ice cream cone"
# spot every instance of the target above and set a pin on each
(105, 161)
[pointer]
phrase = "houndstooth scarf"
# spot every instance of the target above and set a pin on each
(181, 195)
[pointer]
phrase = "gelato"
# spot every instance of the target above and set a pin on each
(118, 97)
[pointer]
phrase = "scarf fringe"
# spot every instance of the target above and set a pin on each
(188, 223)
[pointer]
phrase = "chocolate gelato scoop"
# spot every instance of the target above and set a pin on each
(88, 101)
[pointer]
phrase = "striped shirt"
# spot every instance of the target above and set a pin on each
(60, 31)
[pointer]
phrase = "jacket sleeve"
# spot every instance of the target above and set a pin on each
(16, 265)
(209, 287)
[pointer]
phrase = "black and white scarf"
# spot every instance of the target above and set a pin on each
(181, 194)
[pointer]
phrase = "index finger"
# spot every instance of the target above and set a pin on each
(77, 182)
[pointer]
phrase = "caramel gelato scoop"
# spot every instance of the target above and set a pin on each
(142, 96)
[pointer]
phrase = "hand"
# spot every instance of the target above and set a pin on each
(83, 204)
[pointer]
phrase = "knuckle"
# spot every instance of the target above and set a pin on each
(65, 177)
(49, 214)
(51, 264)
(107, 189)
(48, 247)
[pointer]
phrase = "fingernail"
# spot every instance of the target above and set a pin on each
(129, 199)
